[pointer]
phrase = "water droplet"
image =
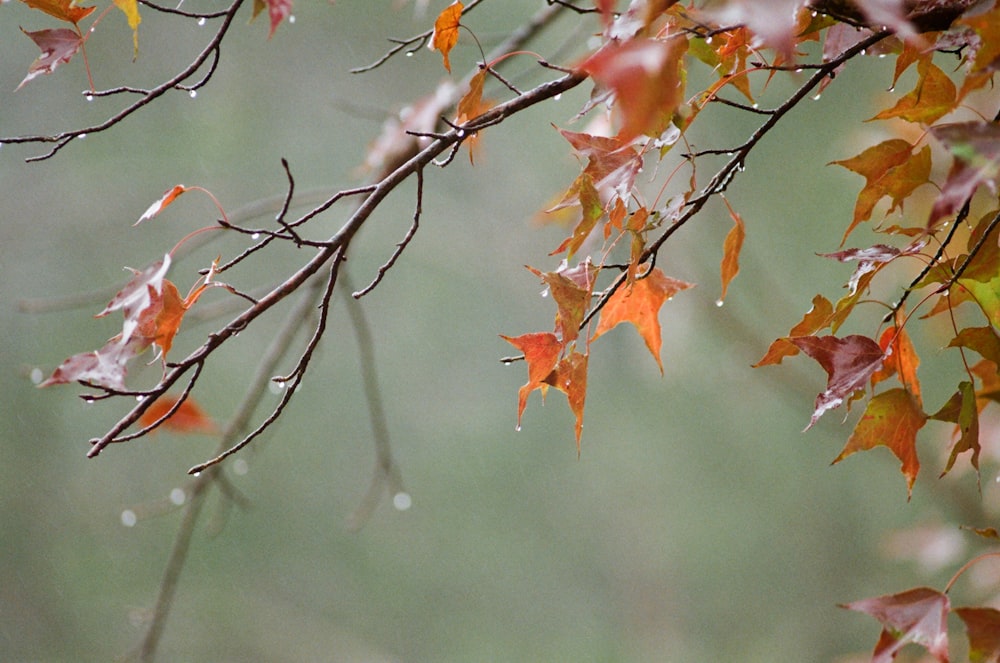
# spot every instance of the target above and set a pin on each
(201, 21)
(864, 51)
(196, 474)
(545, 293)
(719, 302)
(36, 375)
(240, 467)
(409, 54)
(82, 136)
(816, 96)
(275, 387)
(892, 89)
(882, 55)
(129, 518)
(177, 496)
(708, 40)
(89, 97)
(140, 398)
(997, 479)
(291, 18)
(557, 97)
(517, 429)
(755, 105)
(255, 236)
(460, 133)
(193, 93)
(798, 70)
(402, 501)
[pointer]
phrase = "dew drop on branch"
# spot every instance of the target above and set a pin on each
(89, 97)
(36, 375)
(255, 236)
(201, 21)
(719, 303)
(193, 93)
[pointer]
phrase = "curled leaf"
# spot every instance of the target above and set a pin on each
(58, 47)
(446, 31)
(848, 363)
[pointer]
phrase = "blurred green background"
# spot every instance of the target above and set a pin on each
(699, 523)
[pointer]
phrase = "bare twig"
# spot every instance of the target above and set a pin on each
(60, 140)
(401, 246)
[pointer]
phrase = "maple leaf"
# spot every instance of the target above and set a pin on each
(101, 368)
(900, 358)
(849, 362)
(571, 289)
(640, 304)
(168, 197)
(188, 417)
(135, 296)
(890, 169)
(541, 351)
(570, 377)
(962, 410)
(589, 199)
(731, 247)
(131, 11)
(816, 319)
(983, 340)
(975, 147)
(58, 47)
(917, 615)
(277, 11)
(987, 50)
(612, 164)
(983, 627)
(647, 78)
(471, 106)
(446, 31)
(892, 420)
(64, 10)
(870, 260)
(772, 21)
(934, 97)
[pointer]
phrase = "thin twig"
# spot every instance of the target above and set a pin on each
(386, 474)
(401, 246)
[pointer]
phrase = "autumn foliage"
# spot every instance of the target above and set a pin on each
(930, 193)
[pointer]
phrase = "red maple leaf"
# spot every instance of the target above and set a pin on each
(917, 615)
(58, 47)
(848, 363)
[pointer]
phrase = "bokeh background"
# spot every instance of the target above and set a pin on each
(698, 524)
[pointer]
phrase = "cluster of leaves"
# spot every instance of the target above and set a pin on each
(642, 109)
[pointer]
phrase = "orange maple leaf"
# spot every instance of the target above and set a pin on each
(570, 377)
(187, 418)
(446, 31)
(541, 351)
(892, 420)
(640, 304)
(471, 106)
(646, 76)
(64, 10)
